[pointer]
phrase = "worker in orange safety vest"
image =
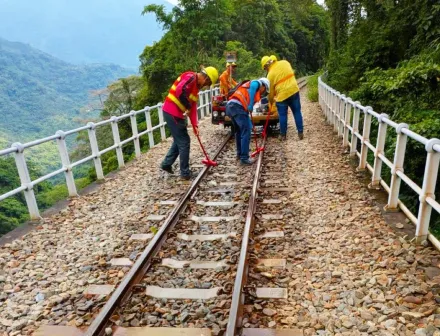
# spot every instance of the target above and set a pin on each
(226, 80)
(181, 102)
(238, 107)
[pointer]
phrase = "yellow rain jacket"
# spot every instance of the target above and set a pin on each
(282, 81)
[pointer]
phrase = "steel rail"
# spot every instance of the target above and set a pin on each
(97, 328)
(236, 310)
(141, 266)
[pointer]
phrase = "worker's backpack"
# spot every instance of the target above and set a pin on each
(234, 89)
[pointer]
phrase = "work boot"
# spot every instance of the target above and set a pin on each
(300, 135)
(282, 137)
(169, 170)
(186, 177)
(248, 162)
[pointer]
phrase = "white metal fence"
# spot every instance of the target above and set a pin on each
(19, 150)
(344, 115)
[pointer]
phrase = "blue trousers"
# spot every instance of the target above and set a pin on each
(295, 105)
(181, 144)
(243, 128)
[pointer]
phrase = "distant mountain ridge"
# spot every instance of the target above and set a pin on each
(40, 94)
(80, 31)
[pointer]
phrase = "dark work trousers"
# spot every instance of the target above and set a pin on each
(295, 105)
(243, 128)
(181, 144)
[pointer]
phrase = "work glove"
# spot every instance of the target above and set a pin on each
(250, 108)
(196, 130)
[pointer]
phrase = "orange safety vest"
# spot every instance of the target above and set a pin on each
(242, 95)
(193, 96)
(226, 82)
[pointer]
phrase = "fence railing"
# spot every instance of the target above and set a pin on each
(19, 150)
(344, 115)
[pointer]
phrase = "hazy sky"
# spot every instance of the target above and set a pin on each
(174, 2)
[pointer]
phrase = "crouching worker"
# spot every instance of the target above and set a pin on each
(180, 102)
(238, 107)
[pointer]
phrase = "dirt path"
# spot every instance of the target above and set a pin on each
(351, 274)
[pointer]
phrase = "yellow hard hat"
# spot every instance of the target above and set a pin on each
(228, 64)
(264, 61)
(212, 73)
(234, 64)
(273, 58)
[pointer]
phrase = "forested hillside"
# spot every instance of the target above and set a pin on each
(201, 31)
(80, 31)
(40, 94)
(386, 54)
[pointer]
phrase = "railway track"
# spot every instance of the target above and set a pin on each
(192, 278)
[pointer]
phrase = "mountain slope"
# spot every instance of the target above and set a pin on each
(80, 31)
(40, 94)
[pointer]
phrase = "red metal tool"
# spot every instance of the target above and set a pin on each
(206, 161)
(264, 134)
(257, 149)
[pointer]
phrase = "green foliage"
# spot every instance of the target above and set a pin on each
(386, 54)
(413, 85)
(199, 32)
(312, 87)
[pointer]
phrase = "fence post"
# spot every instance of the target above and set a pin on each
(354, 138)
(95, 151)
(25, 180)
(365, 138)
(200, 107)
(328, 100)
(380, 149)
(320, 93)
(149, 127)
(161, 120)
(206, 103)
(117, 141)
(428, 190)
(347, 118)
(134, 129)
(399, 157)
(332, 104)
(211, 94)
(342, 106)
(336, 110)
(327, 104)
(65, 160)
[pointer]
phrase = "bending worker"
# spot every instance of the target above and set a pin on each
(284, 89)
(237, 108)
(181, 101)
(226, 80)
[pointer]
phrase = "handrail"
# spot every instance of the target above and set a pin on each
(18, 150)
(343, 113)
